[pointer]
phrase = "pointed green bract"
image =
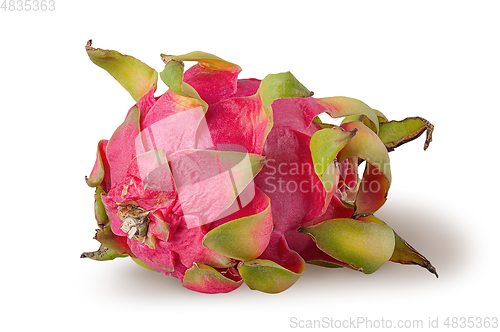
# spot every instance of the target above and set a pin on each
(267, 276)
(364, 245)
(97, 175)
(172, 76)
(396, 133)
(244, 238)
(326, 144)
(135, 76)
(102, 254)
(99, 210)
(404, 253)
(205, 279)
(277, 86)
(343, 106)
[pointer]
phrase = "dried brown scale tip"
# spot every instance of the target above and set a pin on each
(167, 60)
(101, 252)
(393, 145)
(426, 263)
(405, 254)
(431, 269)
(428, 127)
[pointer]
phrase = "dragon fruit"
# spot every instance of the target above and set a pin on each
(221, 181)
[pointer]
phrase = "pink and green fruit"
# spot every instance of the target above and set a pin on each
(221, 181)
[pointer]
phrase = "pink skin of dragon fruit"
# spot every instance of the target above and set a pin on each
(221, 180)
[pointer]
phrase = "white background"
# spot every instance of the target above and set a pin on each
(435, 59)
